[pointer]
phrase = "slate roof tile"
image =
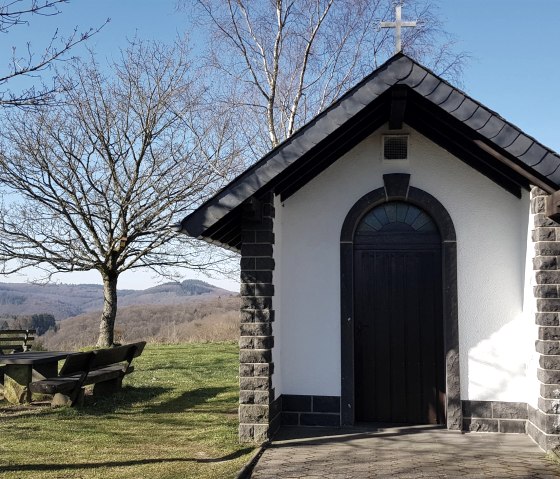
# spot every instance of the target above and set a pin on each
(373, 88)
(417, 76)
(533, 155)
(492, 127)
(353, 106)
(428, 85)
(479, 118)
(466, 110)
(548, 165)
(303, 142)
(555, 177)
(315, 135)
(337, 117)
(397, 71)
(453, 102)
(280, 161)
(440, 94)
(507, 136)
(521, 144)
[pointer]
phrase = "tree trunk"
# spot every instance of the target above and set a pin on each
(107, 326)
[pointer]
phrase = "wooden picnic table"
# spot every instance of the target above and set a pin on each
(23, 368)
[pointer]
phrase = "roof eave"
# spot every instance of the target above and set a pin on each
(493, 135)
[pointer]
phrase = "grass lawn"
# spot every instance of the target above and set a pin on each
(175, 418)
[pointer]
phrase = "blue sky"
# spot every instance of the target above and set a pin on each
(514, 70)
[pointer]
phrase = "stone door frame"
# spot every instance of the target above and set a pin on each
(397, 188)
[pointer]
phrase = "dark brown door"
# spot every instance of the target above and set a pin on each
(399, 363)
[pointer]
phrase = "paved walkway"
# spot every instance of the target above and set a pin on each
(409, 452)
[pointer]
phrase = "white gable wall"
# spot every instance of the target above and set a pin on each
(496, 337)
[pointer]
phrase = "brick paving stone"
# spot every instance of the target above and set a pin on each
(406, 452)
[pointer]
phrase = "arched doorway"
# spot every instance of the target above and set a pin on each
(391, 254)
(398, 327)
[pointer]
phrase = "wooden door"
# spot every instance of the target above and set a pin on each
(399, 361)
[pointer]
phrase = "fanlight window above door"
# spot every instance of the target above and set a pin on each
(396, 216)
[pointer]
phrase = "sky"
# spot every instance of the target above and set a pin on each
(514, 67)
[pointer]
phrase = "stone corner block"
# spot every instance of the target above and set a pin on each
(253, 434)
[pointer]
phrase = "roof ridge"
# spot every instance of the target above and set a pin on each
(527, 156)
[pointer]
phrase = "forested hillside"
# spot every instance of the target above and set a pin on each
(169, 313)
(68, 300)
(205, 318)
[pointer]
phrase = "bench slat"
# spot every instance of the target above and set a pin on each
(17, 331)
(16, 338)
(139, 348)
(105, 357)
(76, 363)
(54, 385)
(101, 375)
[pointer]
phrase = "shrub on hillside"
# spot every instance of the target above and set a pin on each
(40, 322)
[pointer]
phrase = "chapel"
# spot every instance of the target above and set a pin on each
(399, 264)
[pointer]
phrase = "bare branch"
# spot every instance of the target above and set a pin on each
(280, 62)
(97, 180)
(28, 64)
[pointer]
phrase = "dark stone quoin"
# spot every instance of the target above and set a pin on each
(302, 410)
(544, 421)
(259, 410)
(495, 416)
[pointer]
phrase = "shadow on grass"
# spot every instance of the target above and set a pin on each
(186, 401)
(129, 395)
(95, 465)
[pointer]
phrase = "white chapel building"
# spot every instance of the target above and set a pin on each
(400, 263)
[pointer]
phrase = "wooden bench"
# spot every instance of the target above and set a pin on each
(102, 368)
(16, 340)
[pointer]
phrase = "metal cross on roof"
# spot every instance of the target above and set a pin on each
(397, 25)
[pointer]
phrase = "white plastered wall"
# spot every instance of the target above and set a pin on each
(496, 335)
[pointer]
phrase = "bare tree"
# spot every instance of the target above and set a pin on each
(29, 64)
(96, 182)
(283, 61)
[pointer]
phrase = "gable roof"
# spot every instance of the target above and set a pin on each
(400, 90)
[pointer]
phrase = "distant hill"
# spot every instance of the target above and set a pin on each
(206, 317)
(68, 300)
